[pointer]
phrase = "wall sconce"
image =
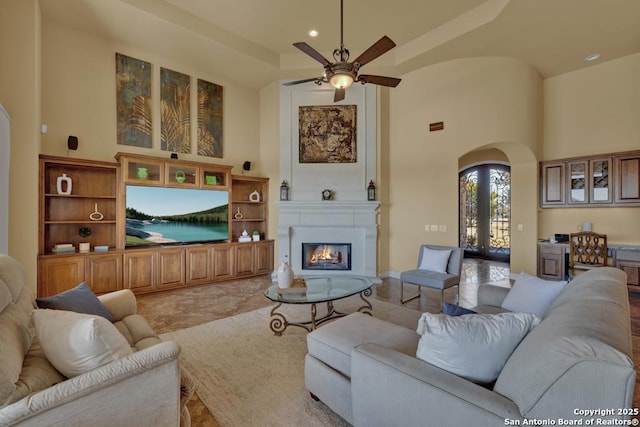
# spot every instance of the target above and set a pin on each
(371, 191)
(284, 191)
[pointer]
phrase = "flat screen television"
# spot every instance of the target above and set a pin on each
(164, 216)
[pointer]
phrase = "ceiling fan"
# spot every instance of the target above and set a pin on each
(342, 73)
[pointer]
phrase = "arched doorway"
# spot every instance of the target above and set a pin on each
(485, 211)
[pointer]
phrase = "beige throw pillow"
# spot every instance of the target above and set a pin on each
(76, 343)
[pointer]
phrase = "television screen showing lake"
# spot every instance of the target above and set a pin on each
(159, 215)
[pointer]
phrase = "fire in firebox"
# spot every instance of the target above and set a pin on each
(326, 256)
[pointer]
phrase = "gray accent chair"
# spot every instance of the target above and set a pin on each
(434, 279)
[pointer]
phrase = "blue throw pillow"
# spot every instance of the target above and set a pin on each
(80, 299)
(455, 310)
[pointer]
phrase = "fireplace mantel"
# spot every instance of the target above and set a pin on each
(334, 221)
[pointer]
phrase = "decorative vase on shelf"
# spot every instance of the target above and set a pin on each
(142, 173)
(64, 184)
(285, 275)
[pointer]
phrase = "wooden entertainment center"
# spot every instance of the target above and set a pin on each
(96, 205)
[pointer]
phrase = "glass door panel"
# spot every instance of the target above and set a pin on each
(600, 181)
(578, 182)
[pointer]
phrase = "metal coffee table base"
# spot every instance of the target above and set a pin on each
(279, 322)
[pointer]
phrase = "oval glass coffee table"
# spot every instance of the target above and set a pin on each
(318, 290)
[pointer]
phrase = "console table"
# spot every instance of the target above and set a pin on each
(553, 260)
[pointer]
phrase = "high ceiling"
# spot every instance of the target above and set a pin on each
(250, 41)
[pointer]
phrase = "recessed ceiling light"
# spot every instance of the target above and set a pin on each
(592, 57)
(313, 33)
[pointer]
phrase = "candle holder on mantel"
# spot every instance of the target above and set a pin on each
(371, 191)
(284, 191)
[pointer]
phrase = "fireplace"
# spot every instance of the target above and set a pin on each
(326, 256)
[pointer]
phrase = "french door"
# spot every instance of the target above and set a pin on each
(485, 211)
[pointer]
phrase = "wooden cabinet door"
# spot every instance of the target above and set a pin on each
(198, 265)
(264, 258)
(172, 267)
(552, 184)
(600, 181)
(627, 170)
(244, 260)
(551, 261)
(103, 273)
(629, 262)
(222, 262)
(578, 182)
(140, 270)
(59, 273)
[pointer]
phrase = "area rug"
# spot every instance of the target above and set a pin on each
(247, 376)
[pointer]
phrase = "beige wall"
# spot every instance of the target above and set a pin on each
(20, 95)
(593, 111)
(484, 103)
(79, 98)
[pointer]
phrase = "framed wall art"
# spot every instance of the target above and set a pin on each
(133, 101)
(175, 115)
(209, 119)
(327, 134)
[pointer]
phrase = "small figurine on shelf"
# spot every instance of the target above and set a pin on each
(256, 235)
(244, 237)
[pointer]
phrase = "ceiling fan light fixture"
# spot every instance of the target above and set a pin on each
(341, 80)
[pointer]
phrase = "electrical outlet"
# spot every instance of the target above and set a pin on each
(520, 227)
(442, 228)
(426, 227)
(434, 228)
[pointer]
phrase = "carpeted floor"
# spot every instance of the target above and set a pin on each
(246, 376)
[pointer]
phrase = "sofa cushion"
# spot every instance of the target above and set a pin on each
(37, 374)
(76, 343)
(137, 332)
(434, 260)
(12, 274)
(475, 346)
(80, 299)
(333, 343)
(531, 294)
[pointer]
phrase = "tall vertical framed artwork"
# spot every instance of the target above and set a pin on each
(133, 101)
(175, 113)
(327, 134)
(210, 103)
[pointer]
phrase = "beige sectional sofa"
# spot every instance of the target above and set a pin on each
(578, 358)
(142, 388)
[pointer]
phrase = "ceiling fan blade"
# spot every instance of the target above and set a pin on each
(297, 82)
(378, 48)
(312, 53)
(339, 95)
(379, 80)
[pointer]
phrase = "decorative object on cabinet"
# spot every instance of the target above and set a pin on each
(180, 176)
(64, 184)
(327, 134)
(604, 180)
(96, 215)
(238, 215)
(175, 116)
(284, 191)
(371, 191)
(84, 231)
(210, 103)
(327, 194)
(254, 197)
(142, 173)
(133, 101)
(84, 246)
(256, 236)
(244, 237)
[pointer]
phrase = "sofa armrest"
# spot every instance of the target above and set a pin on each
(391, 388)
(119, 303)
(140, 389)
(492, 295)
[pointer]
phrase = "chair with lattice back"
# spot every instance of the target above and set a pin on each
(587, 250)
